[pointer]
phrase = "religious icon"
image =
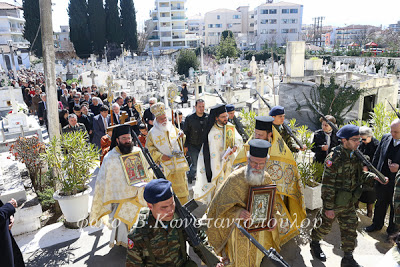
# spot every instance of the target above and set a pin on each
(229, 136)
(260, 204)
(134, 168)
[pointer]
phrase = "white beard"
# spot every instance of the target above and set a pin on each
(162, 127)
(254, 178)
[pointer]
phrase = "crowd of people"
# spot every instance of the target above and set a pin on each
(212, 151)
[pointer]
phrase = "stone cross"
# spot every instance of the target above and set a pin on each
(92, 75)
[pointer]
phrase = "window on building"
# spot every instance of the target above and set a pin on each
(252, 16)
(218, 25)
(264, 31)
(229, 25)
(210, 26)
(285, 11)
(285, 30)
(285, 21)
(272, 11)
(293, 21)
(264, 21)
(251, 24)
(293, 30)
(272, 21)
(264, 11)
(272, 31)
(218, 16)
(236, 16)
(294, 10)
(211, 34)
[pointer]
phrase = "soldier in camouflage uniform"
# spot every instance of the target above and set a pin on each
(341, 187)
(158, 238)
(73, 125)
(239, 127)
(278, 113)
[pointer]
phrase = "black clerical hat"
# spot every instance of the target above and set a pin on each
(264, 123)
(259, 148)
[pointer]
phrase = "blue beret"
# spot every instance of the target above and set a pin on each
(157, 190)
(348, 131)
(277, 110)
(259, 148)
(230, 107)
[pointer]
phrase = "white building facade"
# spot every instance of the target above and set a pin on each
(168, 27)
(239, 21)
(277, 23)
(11, 32)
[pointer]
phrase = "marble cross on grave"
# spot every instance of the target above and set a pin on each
(92, 75)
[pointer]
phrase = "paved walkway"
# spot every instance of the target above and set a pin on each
(55, 245)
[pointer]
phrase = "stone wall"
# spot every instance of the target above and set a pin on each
(367, 60)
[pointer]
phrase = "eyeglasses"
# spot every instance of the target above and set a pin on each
(363, 139)
(151, 103)
(255, 164)
(129, 101)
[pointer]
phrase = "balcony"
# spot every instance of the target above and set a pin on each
(154, 37)
(155, 18)
(178, 37)
(178, 18)
(178, 27)
(178, 8)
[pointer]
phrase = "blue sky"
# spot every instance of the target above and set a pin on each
(336, 12)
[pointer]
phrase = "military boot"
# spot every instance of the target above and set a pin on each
(316, 251)
(349, 261)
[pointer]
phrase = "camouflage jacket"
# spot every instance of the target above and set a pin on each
(165, 243)
(396, 199)
(78, 127)
(343, 178)
(287, 138)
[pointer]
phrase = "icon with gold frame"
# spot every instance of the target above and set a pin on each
(134, 168)
(260, 204)
(229, 136)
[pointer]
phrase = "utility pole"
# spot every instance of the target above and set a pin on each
(49, 67)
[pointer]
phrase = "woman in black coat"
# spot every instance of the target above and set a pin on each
(324, 140)
(184, 94)
(10, 254)
(368, 146)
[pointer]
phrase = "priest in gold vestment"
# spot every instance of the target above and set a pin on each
(165, 147)
(282, 168)
(116, 204)
(230, 203)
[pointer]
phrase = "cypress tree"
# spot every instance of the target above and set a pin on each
(113, 23)
(32, 23)
(97, 25)
(79, 28)
(129, 26)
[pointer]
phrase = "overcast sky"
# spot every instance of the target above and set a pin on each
(336, 12)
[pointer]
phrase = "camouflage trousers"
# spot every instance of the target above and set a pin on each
(348, 221)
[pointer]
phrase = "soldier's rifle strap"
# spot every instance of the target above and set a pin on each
(151, 254)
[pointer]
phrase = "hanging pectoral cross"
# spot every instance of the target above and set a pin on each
(92, 75)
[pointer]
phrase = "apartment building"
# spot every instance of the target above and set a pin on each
(168, 27)
(239, 21)
(11, 33)
(395, 27)
(358, 34)
(277, 23)
(12, 25)
(195, 25)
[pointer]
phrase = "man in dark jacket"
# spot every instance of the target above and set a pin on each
(194, 128)
(10, 254)
(387, 161)
(83, 119)
(324, 140)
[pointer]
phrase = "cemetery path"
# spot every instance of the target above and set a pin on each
(54, 245)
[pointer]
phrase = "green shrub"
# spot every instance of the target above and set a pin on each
(186, 59)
